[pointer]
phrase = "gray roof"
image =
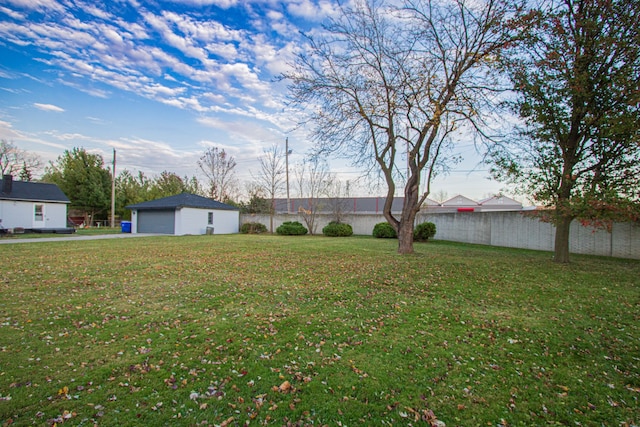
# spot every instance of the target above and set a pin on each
(33, 191)
(184, 200)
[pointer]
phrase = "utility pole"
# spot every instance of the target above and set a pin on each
(113, 192)
(286, 150)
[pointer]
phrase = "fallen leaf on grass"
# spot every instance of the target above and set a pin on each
(285, 387)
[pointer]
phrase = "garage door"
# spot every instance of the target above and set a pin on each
(156, 222)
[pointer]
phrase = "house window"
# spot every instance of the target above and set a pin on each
(210, 218)
(39, 213)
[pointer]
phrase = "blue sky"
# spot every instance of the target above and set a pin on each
(161, 81)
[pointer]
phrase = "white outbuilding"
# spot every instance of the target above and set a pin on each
(184, 214)
(32, 206)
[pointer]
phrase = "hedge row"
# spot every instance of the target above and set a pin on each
(382, 230)
(421, 233)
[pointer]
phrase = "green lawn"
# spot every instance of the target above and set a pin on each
(269, 330)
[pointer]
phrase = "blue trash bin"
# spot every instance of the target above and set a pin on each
(125, 226)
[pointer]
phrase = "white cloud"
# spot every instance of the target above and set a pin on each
(93, 10)
(67, 136)
(180, 59)
(7, 132)
(224, 4)
(184, 44)
(304, 8)
(12, 13)
(48, 107)
(153, 157)
(38, 4)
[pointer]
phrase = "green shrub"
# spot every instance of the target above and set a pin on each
(384, 230)
(424, 231)
(291, 228)
(337, 229)
(253, 228)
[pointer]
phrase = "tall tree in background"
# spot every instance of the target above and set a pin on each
(271, 176)
(219, 167)
(256, 203)
(14, 161)
(578, 84)
(383, 81)
(169, 184)
(130, 189)
(84, 179)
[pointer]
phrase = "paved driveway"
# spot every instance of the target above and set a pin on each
(67, 238)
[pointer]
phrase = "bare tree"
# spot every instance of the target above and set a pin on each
(271, 176)
(313, 179)
(219, 167)
(441, 196)
(16, 161)
(382, 80)
(338, 199)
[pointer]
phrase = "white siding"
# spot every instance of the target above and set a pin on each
(226, 221)
(20, 214)
(191, 221)
(55, 215)
(195, 221)
(134, 221)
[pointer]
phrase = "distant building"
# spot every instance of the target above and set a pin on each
(375, 205)
(500, 203)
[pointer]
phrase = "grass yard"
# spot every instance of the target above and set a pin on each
(268, 330)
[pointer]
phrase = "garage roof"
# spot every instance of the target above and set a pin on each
(184, 200)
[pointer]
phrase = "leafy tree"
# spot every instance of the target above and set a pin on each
(84, 179)
(13, 161)
(257, 203)
(219, 167)
(578, 84)
(169, 184)
(271, 176)
(130, 189)
(384, 81)
(193, 186)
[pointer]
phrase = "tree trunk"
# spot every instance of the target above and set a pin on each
(561, 247)
(409, 210)
(272, 210)
(405, 236)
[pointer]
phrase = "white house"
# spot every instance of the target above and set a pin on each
(32, 205)
(184, 214)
